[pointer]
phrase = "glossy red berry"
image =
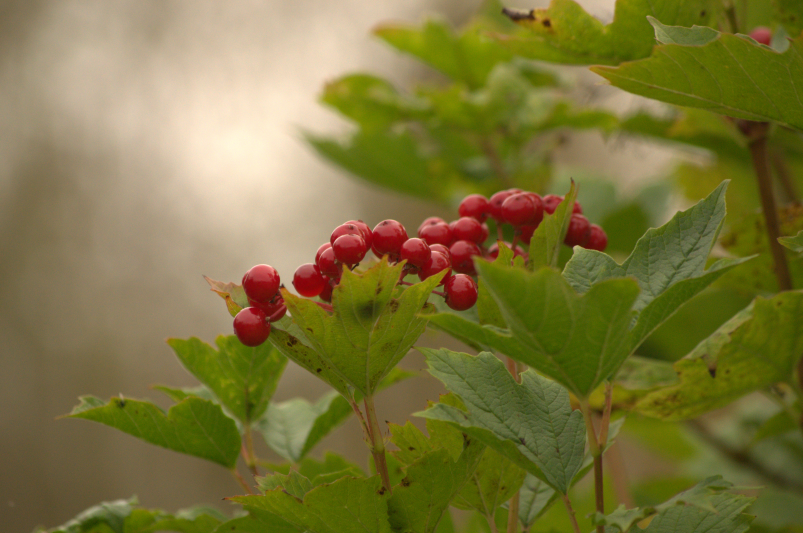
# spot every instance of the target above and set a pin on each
(495, 205)
(326, 293)
(518, 209)
(261, 283)
(461, 292)
(430, 220)
(442, 249)
(325, 246)
(328, 264)
(551, 202)
(344, 229)
(349, 249)
(463, 253)
(474, 206)
(415, 251)
(278, 314)
(388, 236)
(365, 231)
(437, 263)
(539, 208)
(269, 308)
(436, 232)
(525, 233)
(485, 232)
(578, 232)
(762, 34)
(251, 326)
(467, 229)
(308, 280)
(597, 239)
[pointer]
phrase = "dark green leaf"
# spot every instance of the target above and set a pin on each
(242, 378)
(565, 33)
(192, 426)
(531, 423)
(756, 348)
(731, 75)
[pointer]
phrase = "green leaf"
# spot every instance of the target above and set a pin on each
(369, 331)
(565, 33)
(668, 263)
(756, 348)
(193, 426)
(242, 378)
(293, 483)
(531, 423)
(487, 311)
(730, 75)
(778, 424)
(547, 240)
(193, 520)
(258, 521)
(387, 159)
(793, 243)
(535, 498)
(348, 505)
(233, 294)
(104, 517)
(706, 507)
(701, 35)
(467, 56)
(430, 483)
(576, 340)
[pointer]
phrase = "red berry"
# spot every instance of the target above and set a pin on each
(415, 251)
(349, 249)
(526, 233)
(328, 264)
(485, 232)
(261, 283)
(442, 249)
(762, 34)
(539, 208)
(326, 293)
(437, 262)
(495, 205)
(577, 210)
(308, 280)
(463, 253)
(388, 236)
(251, 326)
(467, 229)
(518, 209)
(578, 232)
(436, 233)
(280, 312)
(344, 229)
(325, 246)
(474, 206)
(551, 202)
(493, 251)
(461, 292)
(597, 239)
(365, 231)
(268, 308)
(430, 220)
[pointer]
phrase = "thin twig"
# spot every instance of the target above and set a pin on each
(241, 481)
(572, 516)
(606, 415)
(248, 451)
(377, 443)
(596, 453)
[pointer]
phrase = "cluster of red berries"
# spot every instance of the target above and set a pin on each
(439, 246)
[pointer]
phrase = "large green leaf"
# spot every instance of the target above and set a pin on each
(723, 73)
(242, 378)
(257, 521)
(577, 340)
(348, 505)
(531, 423)
(467, 56)
(668, 263)
(756, 348)
(706, 507)
(370, 330)
(547, 240)
(565, 33)
(535, 498)
(192, 426)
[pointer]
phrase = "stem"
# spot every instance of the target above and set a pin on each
(572, 516)
(785, 176)
(606, 416)
(248, 451)
(757, 136)
(377, 444)
(241, 481)
(324, 306)
(596, 452)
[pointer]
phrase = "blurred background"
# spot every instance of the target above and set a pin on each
(144, 144)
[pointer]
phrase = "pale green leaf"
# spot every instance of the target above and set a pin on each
(193, 520)
(793, 243)
(778, 424)
(104, 517)
(701, 35)
(756, 348)
(193, 426)
(535, 498)
(730, 75)
(258, 521)
(241, 377)
(531, 423)
(565, 33)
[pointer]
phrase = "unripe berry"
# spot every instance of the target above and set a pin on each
(436, 233)
(597, 239)
(415, 251)
(578, 232)
(467, 229)
(349, 249)
(251, 326)
(261, 283)
(308, 280)
(463, 253)
(437, 262)
(474, 206)
(461, 292)
(388, 236)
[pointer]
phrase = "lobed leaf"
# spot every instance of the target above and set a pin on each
(531, 423)
(535, 498)
(192, 426)
(241, 377)
(730, 75)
